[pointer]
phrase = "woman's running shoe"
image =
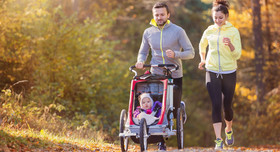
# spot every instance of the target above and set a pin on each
(219, 144)
(229, 138)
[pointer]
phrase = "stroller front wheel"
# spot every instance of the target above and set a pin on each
(123, 140)
(143, 135)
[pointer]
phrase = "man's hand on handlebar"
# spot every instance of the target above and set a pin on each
(139, 65)
(170, 53)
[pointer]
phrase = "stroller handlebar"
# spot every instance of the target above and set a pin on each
(176, 67)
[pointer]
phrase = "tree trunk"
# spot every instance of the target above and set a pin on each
(268, 31)
(259, 57)
(271, 58)
(75, 5)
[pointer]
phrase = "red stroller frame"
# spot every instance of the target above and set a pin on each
(161, 86)
(131, 103)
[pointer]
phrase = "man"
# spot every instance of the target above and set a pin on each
(169, 44)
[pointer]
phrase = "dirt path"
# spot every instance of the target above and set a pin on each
(267, 148)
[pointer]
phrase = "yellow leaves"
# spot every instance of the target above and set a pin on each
(57, 107)
(276, 45)
(43, 132)
(241, 19)
(273, 109)
(252, 97)
(248, 54)
(207, 1)
(248, 93)
(7, 92)
(244, 91)
(40, 12)
(84, 126)
(27, 140)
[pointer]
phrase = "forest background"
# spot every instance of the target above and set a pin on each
(64, 66)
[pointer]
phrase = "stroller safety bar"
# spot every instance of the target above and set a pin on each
(162, 130)
(127, 134)
(165, 134)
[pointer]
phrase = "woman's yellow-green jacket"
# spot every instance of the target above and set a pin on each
(219, 56)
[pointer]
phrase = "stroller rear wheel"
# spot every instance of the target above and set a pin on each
(180, 128)
(123, 140)
(143, 135)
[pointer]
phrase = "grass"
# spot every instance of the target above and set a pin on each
(34, 128)
(30, 140)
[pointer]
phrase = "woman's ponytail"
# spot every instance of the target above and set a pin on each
(221, 5)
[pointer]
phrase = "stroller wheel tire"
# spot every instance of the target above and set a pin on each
(180, 128)
(143, 135)
(123, 140)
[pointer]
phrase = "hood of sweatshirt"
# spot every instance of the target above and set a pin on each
(223, 27)
(153, 23)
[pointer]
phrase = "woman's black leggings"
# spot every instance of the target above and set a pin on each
(216, 86)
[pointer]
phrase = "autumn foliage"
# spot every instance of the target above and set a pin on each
(64, 68)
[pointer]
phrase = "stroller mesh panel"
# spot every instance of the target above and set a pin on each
(154, 88)
(149, 87)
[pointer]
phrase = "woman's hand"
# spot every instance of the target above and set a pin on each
(200, 65)
(227, 42)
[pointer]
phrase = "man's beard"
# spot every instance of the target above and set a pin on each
(161, 23)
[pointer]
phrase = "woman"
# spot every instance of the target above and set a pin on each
(221, 64)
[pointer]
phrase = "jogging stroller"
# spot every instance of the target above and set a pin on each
(160, 88)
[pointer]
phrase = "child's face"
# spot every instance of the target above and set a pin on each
(146, 103)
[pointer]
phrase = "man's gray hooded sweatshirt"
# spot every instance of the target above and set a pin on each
(159, 40)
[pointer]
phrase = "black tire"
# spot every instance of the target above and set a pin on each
(180, 128)
(143, 135)
(123, 140)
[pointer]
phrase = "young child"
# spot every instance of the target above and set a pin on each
(148, 106)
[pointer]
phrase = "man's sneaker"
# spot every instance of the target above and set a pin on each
(229, 138)
(184, 112)
(219, 144)
(161, 146)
